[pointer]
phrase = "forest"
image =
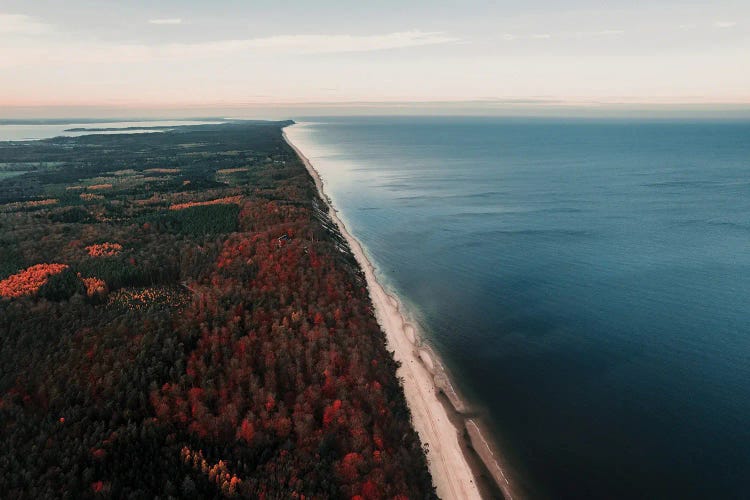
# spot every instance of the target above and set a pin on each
(179, 318)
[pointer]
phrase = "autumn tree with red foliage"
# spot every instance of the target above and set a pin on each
(104, 249)
(30, 280)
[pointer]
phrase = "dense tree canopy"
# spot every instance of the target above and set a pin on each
(180, 318)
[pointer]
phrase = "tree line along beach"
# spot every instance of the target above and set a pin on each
(462, 460)
(181, 317)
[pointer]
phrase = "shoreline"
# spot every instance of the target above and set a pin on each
(461, 459)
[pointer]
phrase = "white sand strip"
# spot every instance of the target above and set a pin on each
(450, 470)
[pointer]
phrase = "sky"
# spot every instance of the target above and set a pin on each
(228, 54)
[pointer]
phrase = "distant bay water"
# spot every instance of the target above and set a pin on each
(587, 282)
(29, 130)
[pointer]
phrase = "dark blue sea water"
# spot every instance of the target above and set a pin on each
(587, 282)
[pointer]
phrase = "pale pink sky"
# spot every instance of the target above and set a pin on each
(231, 54)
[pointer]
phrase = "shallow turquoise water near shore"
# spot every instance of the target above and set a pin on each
(588, 282)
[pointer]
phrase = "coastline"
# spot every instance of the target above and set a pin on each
(439, 415)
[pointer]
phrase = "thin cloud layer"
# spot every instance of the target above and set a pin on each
(283, 44)
(586, 34)
(308, 44)
(171, 20)
(18, 24)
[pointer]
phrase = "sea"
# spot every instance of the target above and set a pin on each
(585, 281)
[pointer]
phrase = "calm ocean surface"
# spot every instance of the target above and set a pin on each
(587, 282)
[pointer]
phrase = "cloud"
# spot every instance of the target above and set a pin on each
(18, 24)
(724, 24)
(281, 44)
(310, 44)
(295, 44)
(591, 34)
(510, 37)
(171, 20)
(607, 33)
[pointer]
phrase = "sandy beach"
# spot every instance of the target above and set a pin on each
(441, 426)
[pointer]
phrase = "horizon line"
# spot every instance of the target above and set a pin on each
(523, 101)
(529, 107)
